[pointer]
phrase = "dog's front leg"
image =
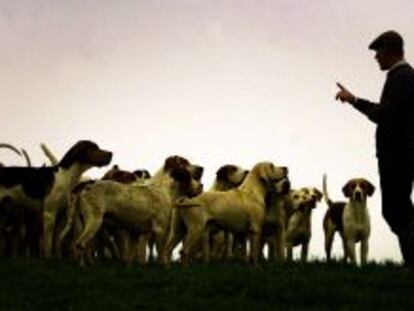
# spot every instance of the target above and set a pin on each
(174, 237)
(350, 250)
(280, 244)
(142, 249)
(229, 244)
(255, 247)
(304, 251)
(194, 236)
(289, 251)
(364, 251)
(48, 227)
(346, 255)
(206, 246)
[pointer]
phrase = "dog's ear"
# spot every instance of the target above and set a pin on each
(181, 175)
(347, 189)
(224, 171)
(197, 172)
(370, 187)
(78, 152)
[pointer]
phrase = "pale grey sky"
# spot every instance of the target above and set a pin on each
(231, 81)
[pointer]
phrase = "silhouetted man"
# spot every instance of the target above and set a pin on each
(394, 116)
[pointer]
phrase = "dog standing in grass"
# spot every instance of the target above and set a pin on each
(351, 219)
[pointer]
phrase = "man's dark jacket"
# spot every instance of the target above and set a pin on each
(394, 115)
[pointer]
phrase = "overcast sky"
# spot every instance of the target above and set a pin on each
(231, 81)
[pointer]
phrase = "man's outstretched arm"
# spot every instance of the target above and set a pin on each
(371, 110)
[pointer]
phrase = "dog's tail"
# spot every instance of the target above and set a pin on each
(183, 202)
(325, 191)
(53, 160)
(21, 153)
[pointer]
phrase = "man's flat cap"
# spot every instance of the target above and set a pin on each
(391, 40)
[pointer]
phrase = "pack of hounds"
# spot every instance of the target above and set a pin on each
(248, 214)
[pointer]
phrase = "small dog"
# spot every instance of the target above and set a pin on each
(46, 189)
(351, 219)
(239, 210)
(300, 204)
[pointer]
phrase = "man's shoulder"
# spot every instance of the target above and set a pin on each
(402, 72)
(403, 69)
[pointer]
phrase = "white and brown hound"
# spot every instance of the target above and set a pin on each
(351, 219)
(143, 207)
(47, 189)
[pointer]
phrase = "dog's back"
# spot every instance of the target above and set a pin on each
(333, 216)
(36, 183)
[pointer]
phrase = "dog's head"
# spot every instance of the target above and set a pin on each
(269, 173)
(88, 153)
(303, 199)
(175, 161)
(358, 189)
(185, 184)
(230, 176)
(142, 174)
(119, 175)
(312, 195)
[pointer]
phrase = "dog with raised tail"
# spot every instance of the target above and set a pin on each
(349, 218)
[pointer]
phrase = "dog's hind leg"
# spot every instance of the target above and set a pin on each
(175, 235)
(329, 237)
(159, 237)
(255, 248)
(194, 236)
(289, 251)
(92, 225)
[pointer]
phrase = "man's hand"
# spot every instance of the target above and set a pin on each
(344, 95)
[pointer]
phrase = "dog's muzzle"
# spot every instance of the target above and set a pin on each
(358, 196)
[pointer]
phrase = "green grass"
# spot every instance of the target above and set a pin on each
(61, 285)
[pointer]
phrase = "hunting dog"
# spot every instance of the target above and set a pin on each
(239, 210)
(145, 208)
(228, 176)
(223, 244)
(351, 219)
(46, 189)
(300, 204)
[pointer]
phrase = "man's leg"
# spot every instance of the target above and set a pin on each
(396, 178)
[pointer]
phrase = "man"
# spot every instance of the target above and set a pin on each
(394, 116)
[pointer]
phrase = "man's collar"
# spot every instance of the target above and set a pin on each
(397, 64)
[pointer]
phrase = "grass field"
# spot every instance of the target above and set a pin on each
(61, 285)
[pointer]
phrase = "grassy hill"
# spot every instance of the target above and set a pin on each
(61, 285)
